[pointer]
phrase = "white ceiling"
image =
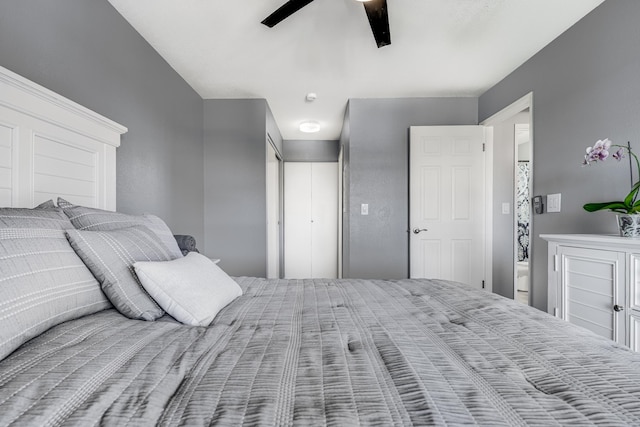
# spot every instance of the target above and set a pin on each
(439, 48)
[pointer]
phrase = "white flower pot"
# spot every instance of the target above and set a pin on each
(629, 225)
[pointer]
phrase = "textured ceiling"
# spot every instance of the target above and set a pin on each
(439, 48)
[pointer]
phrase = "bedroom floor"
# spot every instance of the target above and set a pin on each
(522, 296)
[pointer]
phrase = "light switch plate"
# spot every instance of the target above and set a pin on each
(364, 209)
(506, 208)
(553, 202)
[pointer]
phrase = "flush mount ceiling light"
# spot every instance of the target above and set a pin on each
(310, 126)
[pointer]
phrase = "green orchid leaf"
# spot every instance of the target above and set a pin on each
(631, 197)
(616, 206)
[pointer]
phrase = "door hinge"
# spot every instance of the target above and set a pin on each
(484, 147)
(483, 284)
(555, 263)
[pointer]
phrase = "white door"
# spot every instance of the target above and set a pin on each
(447, 203)
(324, 220)
(273, 213)
(311, 220)
(297, 220)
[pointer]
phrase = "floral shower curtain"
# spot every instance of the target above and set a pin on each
(523, 210)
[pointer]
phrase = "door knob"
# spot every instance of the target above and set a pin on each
(418, 230)
(618, 307)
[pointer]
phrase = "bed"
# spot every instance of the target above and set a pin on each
(326, 352)
(285, 352)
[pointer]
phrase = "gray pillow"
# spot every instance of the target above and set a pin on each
(84, 218)
(110, 256)
(46, 205)
(43, 282)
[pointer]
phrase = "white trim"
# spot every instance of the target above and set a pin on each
(506, 113)
(488, 227)
(611, 242)
(340, 207)
(27, 97)
(510, 111)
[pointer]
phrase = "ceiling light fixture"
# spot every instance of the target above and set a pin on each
(309, 126)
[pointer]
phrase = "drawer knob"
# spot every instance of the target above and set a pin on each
(618, 307)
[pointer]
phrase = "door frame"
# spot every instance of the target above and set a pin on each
(507, 112)
(280, 206)
(340, 207)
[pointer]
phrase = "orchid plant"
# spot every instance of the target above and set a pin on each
(599, 153)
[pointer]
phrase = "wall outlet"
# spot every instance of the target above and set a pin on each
(553, 202)
(364, 209)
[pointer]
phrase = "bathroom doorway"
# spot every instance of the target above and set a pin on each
(512, 142)
(522, 214)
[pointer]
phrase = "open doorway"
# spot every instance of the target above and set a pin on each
(274, 202)
(522, 203)
(512, 225)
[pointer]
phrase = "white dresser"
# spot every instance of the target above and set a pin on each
(594, 282)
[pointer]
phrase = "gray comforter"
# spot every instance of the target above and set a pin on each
(319, 352)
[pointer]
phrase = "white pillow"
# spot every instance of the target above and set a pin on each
(192, 289)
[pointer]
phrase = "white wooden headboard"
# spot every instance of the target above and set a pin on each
(51, 146)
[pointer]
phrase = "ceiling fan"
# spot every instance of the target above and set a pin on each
(376, 12)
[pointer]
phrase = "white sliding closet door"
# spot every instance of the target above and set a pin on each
(324, 216)
(297, 220)
(311, 220)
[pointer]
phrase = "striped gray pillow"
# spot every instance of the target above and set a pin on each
(84, 218)
(110, 256)
(43, 282)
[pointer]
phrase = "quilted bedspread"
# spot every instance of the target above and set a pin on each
(326, 352)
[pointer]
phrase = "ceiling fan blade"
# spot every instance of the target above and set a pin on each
(379, 21)
(286, 10)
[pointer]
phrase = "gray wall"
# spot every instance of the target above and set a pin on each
(86, 51)
(235, 138)
(377, 245)
(585, 87)
(503, 191)
(310, 150)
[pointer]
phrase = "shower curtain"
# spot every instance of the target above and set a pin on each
(523, 210)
